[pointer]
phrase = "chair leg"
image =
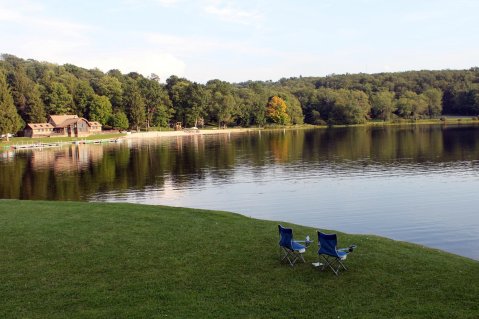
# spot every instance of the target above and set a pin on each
(331, 262)
(302, 257)
(283, 254)
(291, 256)
(339, 261)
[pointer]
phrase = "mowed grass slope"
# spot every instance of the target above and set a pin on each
(100, 260)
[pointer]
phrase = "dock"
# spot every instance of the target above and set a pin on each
(29, 146)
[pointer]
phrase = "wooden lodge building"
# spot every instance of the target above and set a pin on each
(62, 126)
(38, 130)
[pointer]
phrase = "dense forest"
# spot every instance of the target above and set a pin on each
(31, 90)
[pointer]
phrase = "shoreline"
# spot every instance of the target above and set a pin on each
(185, 132)
(10, 145)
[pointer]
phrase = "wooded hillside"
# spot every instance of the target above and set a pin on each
(31, 90)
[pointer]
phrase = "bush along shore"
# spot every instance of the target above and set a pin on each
(110, 260)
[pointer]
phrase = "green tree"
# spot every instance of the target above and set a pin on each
(164, 113)
(135, 105)
(340, 106)
(177, 92)
(225, 109)
(260, 95)
(119, 120)
(82, 98)
(250, 108)
(35, 110)
(100, 109)
(350, 107)
(221, 101)
(26, 95)
(258, 113)
(111, 87)
(404, 104)
(195, 103)
(10, 121)
(420, 108)
(157, 101)
(19, 85)
(382, 105)
(411, 105)
(294, 108)
(433, 99)
(312, 104)
(57, 99)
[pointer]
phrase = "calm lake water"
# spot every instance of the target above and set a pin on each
(411, 183)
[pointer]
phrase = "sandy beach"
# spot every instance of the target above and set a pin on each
(186, 132)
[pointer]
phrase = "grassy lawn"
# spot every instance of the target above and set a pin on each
(99, 260)
(28, 140)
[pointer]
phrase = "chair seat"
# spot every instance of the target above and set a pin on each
(337, 253)
(332, 256)
(342, 254)
(298, 247)
(290, 250)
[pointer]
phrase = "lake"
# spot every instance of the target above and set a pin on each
(414, 183)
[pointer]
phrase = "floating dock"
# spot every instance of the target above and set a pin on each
(59, 144)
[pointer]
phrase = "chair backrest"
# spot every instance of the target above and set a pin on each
(285, 237)
(327, 244)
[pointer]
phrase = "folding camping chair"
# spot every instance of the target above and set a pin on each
(290, 249)
(332, 257)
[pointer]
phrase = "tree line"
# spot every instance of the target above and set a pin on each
(32, 90)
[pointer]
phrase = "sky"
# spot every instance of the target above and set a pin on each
(244, 40)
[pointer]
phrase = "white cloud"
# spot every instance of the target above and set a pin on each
(8, 15)
(227, 11)
(46, 38)
(167, 3)
(144, 62)
(144, 3)
(38, 35)
(186, 45)
(424, 16)
(36, 32)
(31, 16)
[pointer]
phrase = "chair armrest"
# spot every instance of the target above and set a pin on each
(306, 242)
(347, 249)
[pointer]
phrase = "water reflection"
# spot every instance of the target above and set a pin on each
(414, 183)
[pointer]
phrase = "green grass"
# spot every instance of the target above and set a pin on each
(444, 120)
(98, 260)
(157, 129)
(28, 140)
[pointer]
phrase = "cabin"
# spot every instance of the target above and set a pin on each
(95, 127)
(73, 127)
(57, 120)
(38, 130)
(63, 125)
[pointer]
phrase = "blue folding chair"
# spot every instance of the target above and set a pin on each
(332, 257)
(290, 249)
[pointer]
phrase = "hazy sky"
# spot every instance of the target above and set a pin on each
(244, 40)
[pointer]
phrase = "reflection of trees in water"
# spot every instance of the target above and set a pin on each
(421, 143)
(78, 172)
